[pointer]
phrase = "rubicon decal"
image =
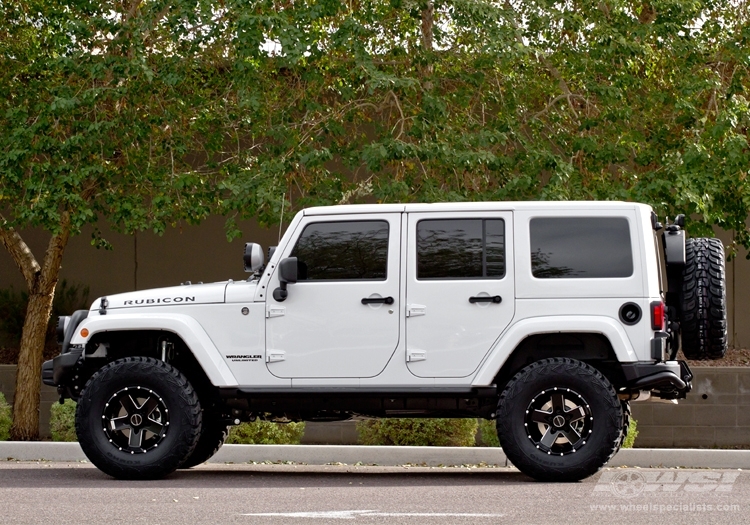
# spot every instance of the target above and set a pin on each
(165, 300)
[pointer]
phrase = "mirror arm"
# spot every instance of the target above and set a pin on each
(280, 294)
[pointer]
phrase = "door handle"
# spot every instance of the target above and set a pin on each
(377, 300)
(486, 299)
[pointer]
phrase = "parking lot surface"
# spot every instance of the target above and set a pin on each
(76, 492)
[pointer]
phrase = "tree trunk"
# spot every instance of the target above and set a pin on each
(428, 21)
(29, 375)
(41, 281)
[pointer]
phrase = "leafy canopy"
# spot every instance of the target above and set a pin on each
(149, 113)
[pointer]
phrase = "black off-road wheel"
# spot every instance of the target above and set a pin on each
(138, 418)
(559, 419)
(703, 308)
(213, 434)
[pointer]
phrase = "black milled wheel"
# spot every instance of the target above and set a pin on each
(138, 418)
(213, 435)
(703, 309)
(559, 420)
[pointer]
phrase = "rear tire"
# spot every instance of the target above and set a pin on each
(703, 310)
(559, 419)
(138, 418)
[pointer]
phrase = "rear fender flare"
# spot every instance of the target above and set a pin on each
(507, 344)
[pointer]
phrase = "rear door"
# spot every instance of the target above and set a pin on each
(459, 289)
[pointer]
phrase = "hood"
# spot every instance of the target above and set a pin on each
(174, 295)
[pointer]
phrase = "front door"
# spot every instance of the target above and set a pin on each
(340, 319)
(459, 290)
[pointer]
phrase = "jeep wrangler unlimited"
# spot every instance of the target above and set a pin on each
(548, 317)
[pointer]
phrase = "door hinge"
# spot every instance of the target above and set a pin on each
(415, 355)
(275, 311)
(415, 310)
(273, 356)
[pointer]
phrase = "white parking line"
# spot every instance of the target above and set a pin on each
(353, 514)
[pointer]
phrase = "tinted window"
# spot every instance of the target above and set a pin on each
(342, 251)
(461, 249)
(580, 247)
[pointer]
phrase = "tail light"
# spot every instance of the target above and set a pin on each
(657, 315)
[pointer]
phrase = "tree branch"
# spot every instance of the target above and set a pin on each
(401, 120)
(54, 254)
(20, 253)
(428, 19)
(547, 64)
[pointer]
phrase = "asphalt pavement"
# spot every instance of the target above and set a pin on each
(77, 493)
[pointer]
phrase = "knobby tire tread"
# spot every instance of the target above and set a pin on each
(97, 388)
(517, 389)
(703, 312)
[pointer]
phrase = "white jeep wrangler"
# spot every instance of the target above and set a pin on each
(548, 317)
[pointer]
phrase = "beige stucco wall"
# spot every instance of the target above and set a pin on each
(202, 253)
(187, 253)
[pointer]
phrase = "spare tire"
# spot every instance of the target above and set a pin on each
(703, 306)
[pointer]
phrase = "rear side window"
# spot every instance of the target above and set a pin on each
(342, 251)
(461, 249)
(580, 247)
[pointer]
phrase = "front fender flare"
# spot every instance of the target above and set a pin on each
(187, 328)
(519, 331)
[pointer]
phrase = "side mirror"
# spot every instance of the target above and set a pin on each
(287, 275)
(253, 257)
(288, 270)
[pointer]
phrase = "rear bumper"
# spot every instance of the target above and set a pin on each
(667, 379)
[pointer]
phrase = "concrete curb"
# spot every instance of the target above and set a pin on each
(352, 454)
(389, 456)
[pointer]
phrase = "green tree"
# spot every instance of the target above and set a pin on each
(465, 100)
(107, 114)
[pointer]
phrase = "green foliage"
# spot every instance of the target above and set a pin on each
(6, 419)
(62, 422)
(632, 434)
(418, 432)
(488, 433)
(185, 111)
(98, 126)
(266, 433)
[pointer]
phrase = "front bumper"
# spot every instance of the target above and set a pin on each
(59, 371)
(667, 379)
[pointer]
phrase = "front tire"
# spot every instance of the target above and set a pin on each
(559, 419)
(138, 418)
(213, 435)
